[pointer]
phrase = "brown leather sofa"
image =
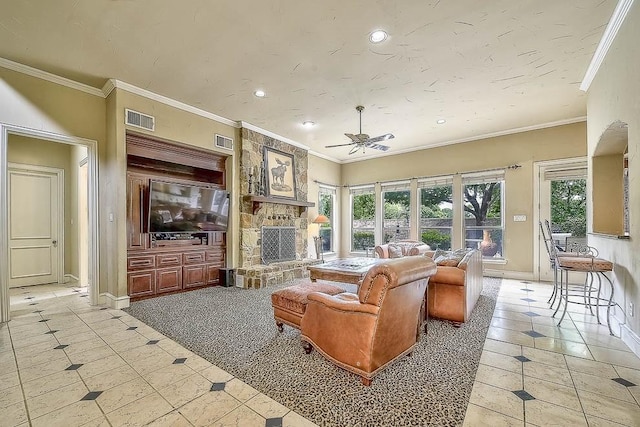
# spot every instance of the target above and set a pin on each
(454, 290)
(365, 332)
(402, 248)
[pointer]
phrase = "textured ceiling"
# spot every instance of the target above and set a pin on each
(485, 67)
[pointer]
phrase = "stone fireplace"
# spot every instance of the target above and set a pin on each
(259, 212)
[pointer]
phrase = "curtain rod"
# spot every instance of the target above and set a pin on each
(514, 166)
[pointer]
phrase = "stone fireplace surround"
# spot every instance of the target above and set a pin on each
(252, 273)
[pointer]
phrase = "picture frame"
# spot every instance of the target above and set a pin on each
(279, 171)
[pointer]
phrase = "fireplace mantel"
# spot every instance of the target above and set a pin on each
(259, 200)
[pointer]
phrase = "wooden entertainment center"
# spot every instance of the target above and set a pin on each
(158, 263)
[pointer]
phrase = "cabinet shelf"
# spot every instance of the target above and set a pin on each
(259, 200)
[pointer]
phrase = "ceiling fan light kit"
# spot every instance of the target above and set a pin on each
(362, 140)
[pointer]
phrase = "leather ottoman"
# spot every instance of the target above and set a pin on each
(289, 304)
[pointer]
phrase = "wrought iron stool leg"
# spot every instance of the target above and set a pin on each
(565, 296)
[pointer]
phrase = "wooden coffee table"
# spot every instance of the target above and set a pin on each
(345, 270)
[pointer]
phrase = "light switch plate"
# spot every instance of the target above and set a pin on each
(519, 218)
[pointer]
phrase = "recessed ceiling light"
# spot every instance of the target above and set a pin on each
(378, 36)
(308, 124)
(441, 121)
(259, 93)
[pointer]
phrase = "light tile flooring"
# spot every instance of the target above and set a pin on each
(63, 362)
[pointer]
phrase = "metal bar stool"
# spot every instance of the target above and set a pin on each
(592, 266)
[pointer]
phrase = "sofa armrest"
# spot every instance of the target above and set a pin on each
(382, 251)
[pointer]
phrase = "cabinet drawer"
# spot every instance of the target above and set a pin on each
(214, 256)
(193, 258)
(141, 262)
(168, 260)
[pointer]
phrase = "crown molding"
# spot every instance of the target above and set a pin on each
(168, 101)
(610, 33)
(474, 138)
(34, 72)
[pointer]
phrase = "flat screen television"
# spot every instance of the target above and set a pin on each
(180, 208)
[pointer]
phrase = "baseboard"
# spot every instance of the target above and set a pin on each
(70, 277)
(508, 274)
(114, 302)
(630, 338)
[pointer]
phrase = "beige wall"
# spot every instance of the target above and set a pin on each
(522, 148)
(613, 96)
(36, 152)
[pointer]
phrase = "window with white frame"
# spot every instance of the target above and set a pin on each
(396, 207)
(436, 211)
(326, 207)
(483, 212)
(363, 216)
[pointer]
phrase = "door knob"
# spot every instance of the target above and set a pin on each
(55, 243)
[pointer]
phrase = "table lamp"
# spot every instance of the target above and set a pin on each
(320, 219)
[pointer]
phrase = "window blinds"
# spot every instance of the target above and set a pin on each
(396, 186)
(326, 189)
(441, 181)
(483, 177)
(365, 189)
(566, 173)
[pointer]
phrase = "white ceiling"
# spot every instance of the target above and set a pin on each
(484, 66)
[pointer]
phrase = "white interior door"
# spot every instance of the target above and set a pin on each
(35, 208)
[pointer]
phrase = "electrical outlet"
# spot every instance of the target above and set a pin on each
(631, 309)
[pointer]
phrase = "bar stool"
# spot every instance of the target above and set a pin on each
(592, 266)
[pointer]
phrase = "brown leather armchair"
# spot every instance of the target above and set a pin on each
(364, 333)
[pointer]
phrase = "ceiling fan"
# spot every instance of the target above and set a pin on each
(362, 140)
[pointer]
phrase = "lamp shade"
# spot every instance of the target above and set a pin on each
(321, 219)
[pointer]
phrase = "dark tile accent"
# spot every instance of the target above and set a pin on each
(523, 395)
(116, 317)
(132, 328)
(43, 320)
(525, 282)
(84, 296)
(273, 422)
(51, 332)
(34, 303)
(92, 395)
(103, 308)
(29, 297)
(522, 358)
(534, 334)
(74, 367)
(531, 314)
(179, 360)
(76, 290)
(38, 311)
(623, 382)
(218, 386)
(153, 342)
(528, 299)
(526, 290)
(61, 346)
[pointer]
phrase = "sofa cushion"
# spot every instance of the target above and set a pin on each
(395, 251)
(449, 258)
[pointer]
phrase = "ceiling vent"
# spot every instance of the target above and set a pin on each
(224, 142)
(139, 120)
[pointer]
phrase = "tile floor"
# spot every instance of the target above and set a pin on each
(63, 362)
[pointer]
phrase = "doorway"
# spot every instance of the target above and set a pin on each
(85, 150)
(562, 200)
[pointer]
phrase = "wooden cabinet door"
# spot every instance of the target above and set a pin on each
(141, 283)
(193, 275)
(136, 187)
(218, 238)
(213, 274)
(169, 279)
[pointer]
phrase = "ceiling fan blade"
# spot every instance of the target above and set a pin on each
(339, 145)
(353, 137)
(381, 138)
(378, 147)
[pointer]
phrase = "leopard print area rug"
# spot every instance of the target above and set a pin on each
(234, 329)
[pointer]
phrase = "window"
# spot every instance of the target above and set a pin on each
(396, 199)
(326, 204)
(568, 201)
(483, 216)
(436, 212)
(363, 214)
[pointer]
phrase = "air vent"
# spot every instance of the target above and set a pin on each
(224, 142)
(139, 120)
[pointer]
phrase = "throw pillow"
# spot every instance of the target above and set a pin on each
(449, 258)
(395, 251)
